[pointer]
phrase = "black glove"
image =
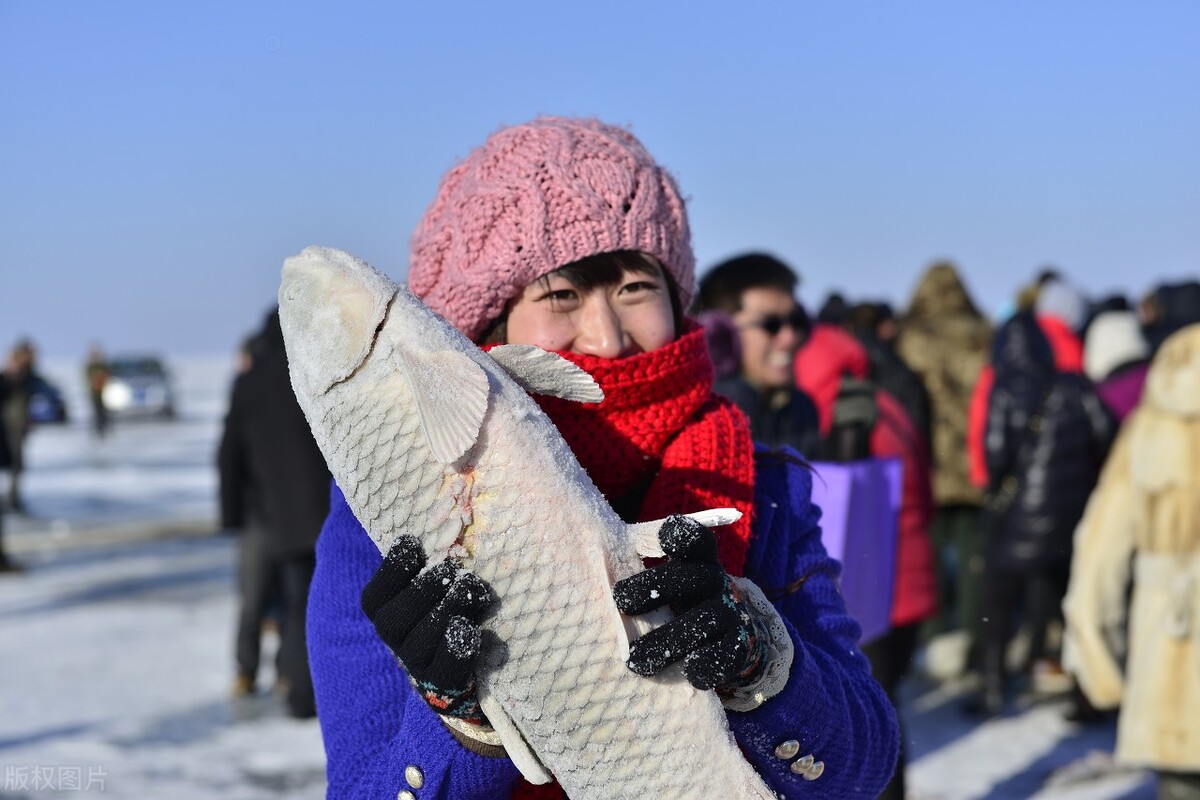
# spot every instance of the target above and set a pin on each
(715, 632)
(431, 623)
(854, 416)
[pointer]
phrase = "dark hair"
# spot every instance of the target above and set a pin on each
(865, 318)
(834, 310)
(721, 289)
(602, 269)
(1048, 274)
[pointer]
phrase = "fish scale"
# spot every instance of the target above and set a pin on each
(534, 527)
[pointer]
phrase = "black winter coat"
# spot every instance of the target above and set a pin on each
(1048, 434)
(5, 454)
(273, 478)
(777, 419)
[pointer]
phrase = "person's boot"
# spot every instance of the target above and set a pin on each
(1080, 710)
(993, 694)
(990, 700)
(243, 686)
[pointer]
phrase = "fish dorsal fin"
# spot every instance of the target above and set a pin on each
(450, 392)
(542, 372)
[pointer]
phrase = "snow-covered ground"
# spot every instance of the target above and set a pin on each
(116, 643)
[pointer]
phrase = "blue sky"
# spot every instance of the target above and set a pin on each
(158, 161)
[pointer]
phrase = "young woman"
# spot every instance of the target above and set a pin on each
(565, 234)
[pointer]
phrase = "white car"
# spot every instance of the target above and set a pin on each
(138, 386)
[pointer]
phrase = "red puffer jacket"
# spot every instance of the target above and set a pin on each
(829, 354)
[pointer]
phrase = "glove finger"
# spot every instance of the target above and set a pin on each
(404, 560)
(683, 583)
(467, 597)
(454, 662)
(404, 611)
(684, 538)
(705, 624)
(713, 665)
(448, 685)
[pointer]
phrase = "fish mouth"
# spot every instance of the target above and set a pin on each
(332, 307)
(387, 312)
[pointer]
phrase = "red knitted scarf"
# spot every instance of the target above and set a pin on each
(663, 438)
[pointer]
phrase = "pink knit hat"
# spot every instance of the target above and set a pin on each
(536, 197)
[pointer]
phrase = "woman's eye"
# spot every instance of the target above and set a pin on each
(560, 300)
(639, 286)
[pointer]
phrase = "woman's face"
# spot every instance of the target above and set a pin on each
(616, 320)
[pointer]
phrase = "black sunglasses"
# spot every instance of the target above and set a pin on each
(773, 323)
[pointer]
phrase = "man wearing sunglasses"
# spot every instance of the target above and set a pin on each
(757, 292)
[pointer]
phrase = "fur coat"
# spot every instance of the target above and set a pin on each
(945, 340)
(1142, 526)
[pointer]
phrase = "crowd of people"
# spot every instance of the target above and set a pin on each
(1005, 429)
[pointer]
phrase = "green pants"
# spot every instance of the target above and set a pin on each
(958, 557)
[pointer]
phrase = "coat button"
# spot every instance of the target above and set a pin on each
(405, 794)
(801, 765)
(815, 771)
(787, 750)
(414, 776)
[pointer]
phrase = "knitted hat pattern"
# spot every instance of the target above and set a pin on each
(536, 197)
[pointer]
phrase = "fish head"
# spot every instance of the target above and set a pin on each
(358, 342)
(331, 306)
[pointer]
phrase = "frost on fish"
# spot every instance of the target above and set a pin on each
(431, 437)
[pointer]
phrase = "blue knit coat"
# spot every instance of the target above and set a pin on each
(375, 726)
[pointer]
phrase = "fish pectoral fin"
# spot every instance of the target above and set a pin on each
(514, 743)
(450, 392)
(644, 535)
(542, 372)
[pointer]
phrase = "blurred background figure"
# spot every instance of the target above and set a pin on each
(1168, 308)
(245, 355)
(860, 420)
(1143, 526)
(20, 377)
(6, 563)
(834, 310)
(1060, 311)
(1109, 302)
(723, 341)
(874, 325)
(95, 373)
(945, 340)
(755, 327)
(1047, 436)
(274, 490)
(1116, 359)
